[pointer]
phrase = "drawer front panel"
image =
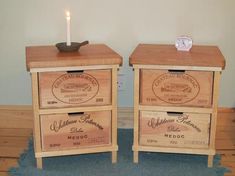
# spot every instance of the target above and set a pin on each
(87, 88)
(176, 88)
(185, 130)
(67, 131)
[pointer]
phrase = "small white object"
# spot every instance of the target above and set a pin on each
(68, 41)
(183, 43)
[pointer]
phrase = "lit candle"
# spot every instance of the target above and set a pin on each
(68, 43)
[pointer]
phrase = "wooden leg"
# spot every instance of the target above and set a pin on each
(210, 160)
(114, 156)
(114, 112)
(39, 163)
(136, 116)
(136, 156)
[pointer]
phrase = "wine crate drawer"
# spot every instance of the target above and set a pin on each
(75, 130)
(75, 88)
(171, 129)
(176, 88)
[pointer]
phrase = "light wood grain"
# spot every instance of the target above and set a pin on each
(175, 109)
(58, 69)
(49, 56)
(136, 115)
(13, 152)
(114, 113)
(6, 163)
(153, 54)
(6, 141)
(187, 130)
(87, 88)
(216, 84)
(175, 150)
(222, 144)
(77, 151)
(69, 131)
(75, 109)
(175, 67)
(16, 132)
(172, 88)
(36, 127)
(226, 135)
(16, 119)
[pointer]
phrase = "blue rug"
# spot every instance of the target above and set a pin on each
(150, 164)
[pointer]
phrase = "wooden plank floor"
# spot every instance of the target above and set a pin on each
(225, 139)
(16, 124)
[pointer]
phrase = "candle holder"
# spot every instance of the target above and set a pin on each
(62, 47)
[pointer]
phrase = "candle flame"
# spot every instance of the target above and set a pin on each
(67, 14)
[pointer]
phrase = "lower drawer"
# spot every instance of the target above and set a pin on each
(170, 129)
(75, 130)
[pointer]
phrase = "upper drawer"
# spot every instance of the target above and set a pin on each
(76, 88)
(176, 88)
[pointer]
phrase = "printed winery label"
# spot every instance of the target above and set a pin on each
(62, 131)
(175, 88)
(174, 130)
(62, 89)
(75, 88)
(163, 87)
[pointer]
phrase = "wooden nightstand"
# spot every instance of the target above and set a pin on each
(74, 100)
(175, 99)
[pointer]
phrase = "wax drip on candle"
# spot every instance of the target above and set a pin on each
(68, 41)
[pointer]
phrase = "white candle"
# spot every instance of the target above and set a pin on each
(68, 42)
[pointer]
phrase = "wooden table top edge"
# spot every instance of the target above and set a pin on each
(133, 58)
(109, 57)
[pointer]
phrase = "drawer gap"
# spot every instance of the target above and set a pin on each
(75, 71)
(72, 114)
(172, 113)
(176, 71)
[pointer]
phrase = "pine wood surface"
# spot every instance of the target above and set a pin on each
(15, 129)
(92, 54)
(153, 54)
(56, 138)
(18, 133)
(87, 88)
(164, 88)
(173, 130)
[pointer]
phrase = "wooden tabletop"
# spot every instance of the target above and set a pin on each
(153, 54)
(92, 54)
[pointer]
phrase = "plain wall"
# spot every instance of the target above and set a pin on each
(121, 24)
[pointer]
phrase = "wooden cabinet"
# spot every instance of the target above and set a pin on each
(175, 99)
(74, 100)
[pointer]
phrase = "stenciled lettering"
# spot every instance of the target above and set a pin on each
(58, 125)
(153, 123)
(87, 119)
(185, 120)
(76, 130)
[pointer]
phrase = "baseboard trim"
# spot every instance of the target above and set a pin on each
(16, 107)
